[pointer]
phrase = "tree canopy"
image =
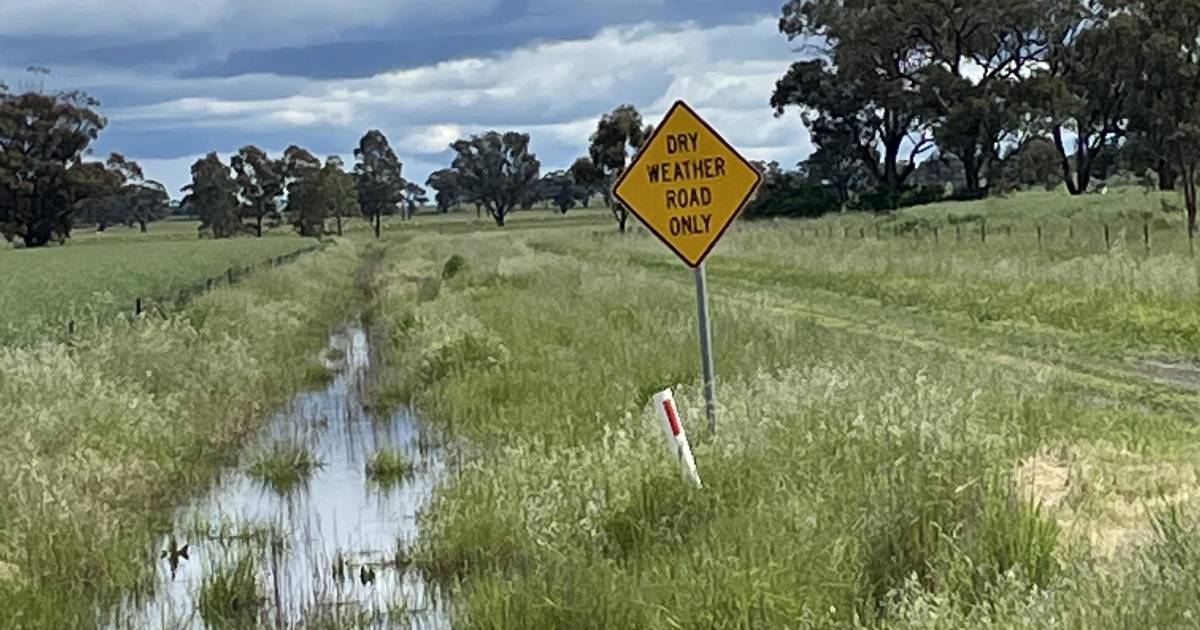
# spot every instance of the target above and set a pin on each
(213, 195)
(497, 169)
(338, 191)
(260, 183)
(561, 190)
(617, 134)
(43, 140)
(300, 171)
(448, 188)
(378, 173)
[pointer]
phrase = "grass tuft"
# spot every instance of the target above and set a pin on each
(285, 466)
(317, 375)
(230, 597)
(388, 467)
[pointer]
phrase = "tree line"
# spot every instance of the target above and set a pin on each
(49, 184)
(994, 94)
(906, 101)
(46, 186)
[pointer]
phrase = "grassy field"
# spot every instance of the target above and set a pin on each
(98, 275)
(103, 435)
(914, 433)
(920, 429)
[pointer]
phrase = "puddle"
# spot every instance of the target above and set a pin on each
(324, 552)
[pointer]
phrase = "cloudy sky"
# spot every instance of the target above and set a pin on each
(180, 79)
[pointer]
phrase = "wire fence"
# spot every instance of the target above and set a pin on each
(163, 305)
(1145, 234)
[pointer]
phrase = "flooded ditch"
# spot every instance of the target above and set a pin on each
(325, 551)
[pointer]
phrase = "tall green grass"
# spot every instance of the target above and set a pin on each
(92, 280)
(230, 596)
(1115, 301)
(856, 479)
(102, 436)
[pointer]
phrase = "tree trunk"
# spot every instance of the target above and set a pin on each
(339, 223)
(142, 225)
(478, 211)
(1189, 196)
(1068, 178)
(258, 226)
(970, 163)
(499, 216)
(1166, 175)
(1083, 168)
(622, 219)
(378, 224)
(891, 167)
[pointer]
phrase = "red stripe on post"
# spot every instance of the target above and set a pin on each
(669, 406)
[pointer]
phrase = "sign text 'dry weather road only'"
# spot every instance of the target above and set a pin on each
(687, 184)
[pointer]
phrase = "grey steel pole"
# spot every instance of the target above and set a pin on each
(710, 386)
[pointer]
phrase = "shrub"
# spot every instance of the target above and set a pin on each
(454, 265)
(789, 195)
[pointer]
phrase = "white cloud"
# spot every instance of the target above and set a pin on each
(431, 138)
(555, 91)
(647, 65)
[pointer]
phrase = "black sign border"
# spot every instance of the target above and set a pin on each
(646, 145)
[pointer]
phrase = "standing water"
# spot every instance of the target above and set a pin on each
(327, 551)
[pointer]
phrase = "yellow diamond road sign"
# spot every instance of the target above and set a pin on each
(687, 184)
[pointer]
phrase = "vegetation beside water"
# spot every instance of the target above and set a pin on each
(912, 434)
(285, 466)
(103, 435)
(42, 291)
(388, 466)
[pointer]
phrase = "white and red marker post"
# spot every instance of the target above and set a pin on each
(677, 441)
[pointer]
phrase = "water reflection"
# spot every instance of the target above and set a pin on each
(325, 550)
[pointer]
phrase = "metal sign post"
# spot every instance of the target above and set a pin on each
(687, 184)
(706, 358)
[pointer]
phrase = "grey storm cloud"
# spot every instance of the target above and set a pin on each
(552, 88)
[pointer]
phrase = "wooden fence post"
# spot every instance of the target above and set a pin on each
(935, 234)
(983, 230)
(1146, 235)
(137, 307)
(1039, 237)
(1107, 242)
